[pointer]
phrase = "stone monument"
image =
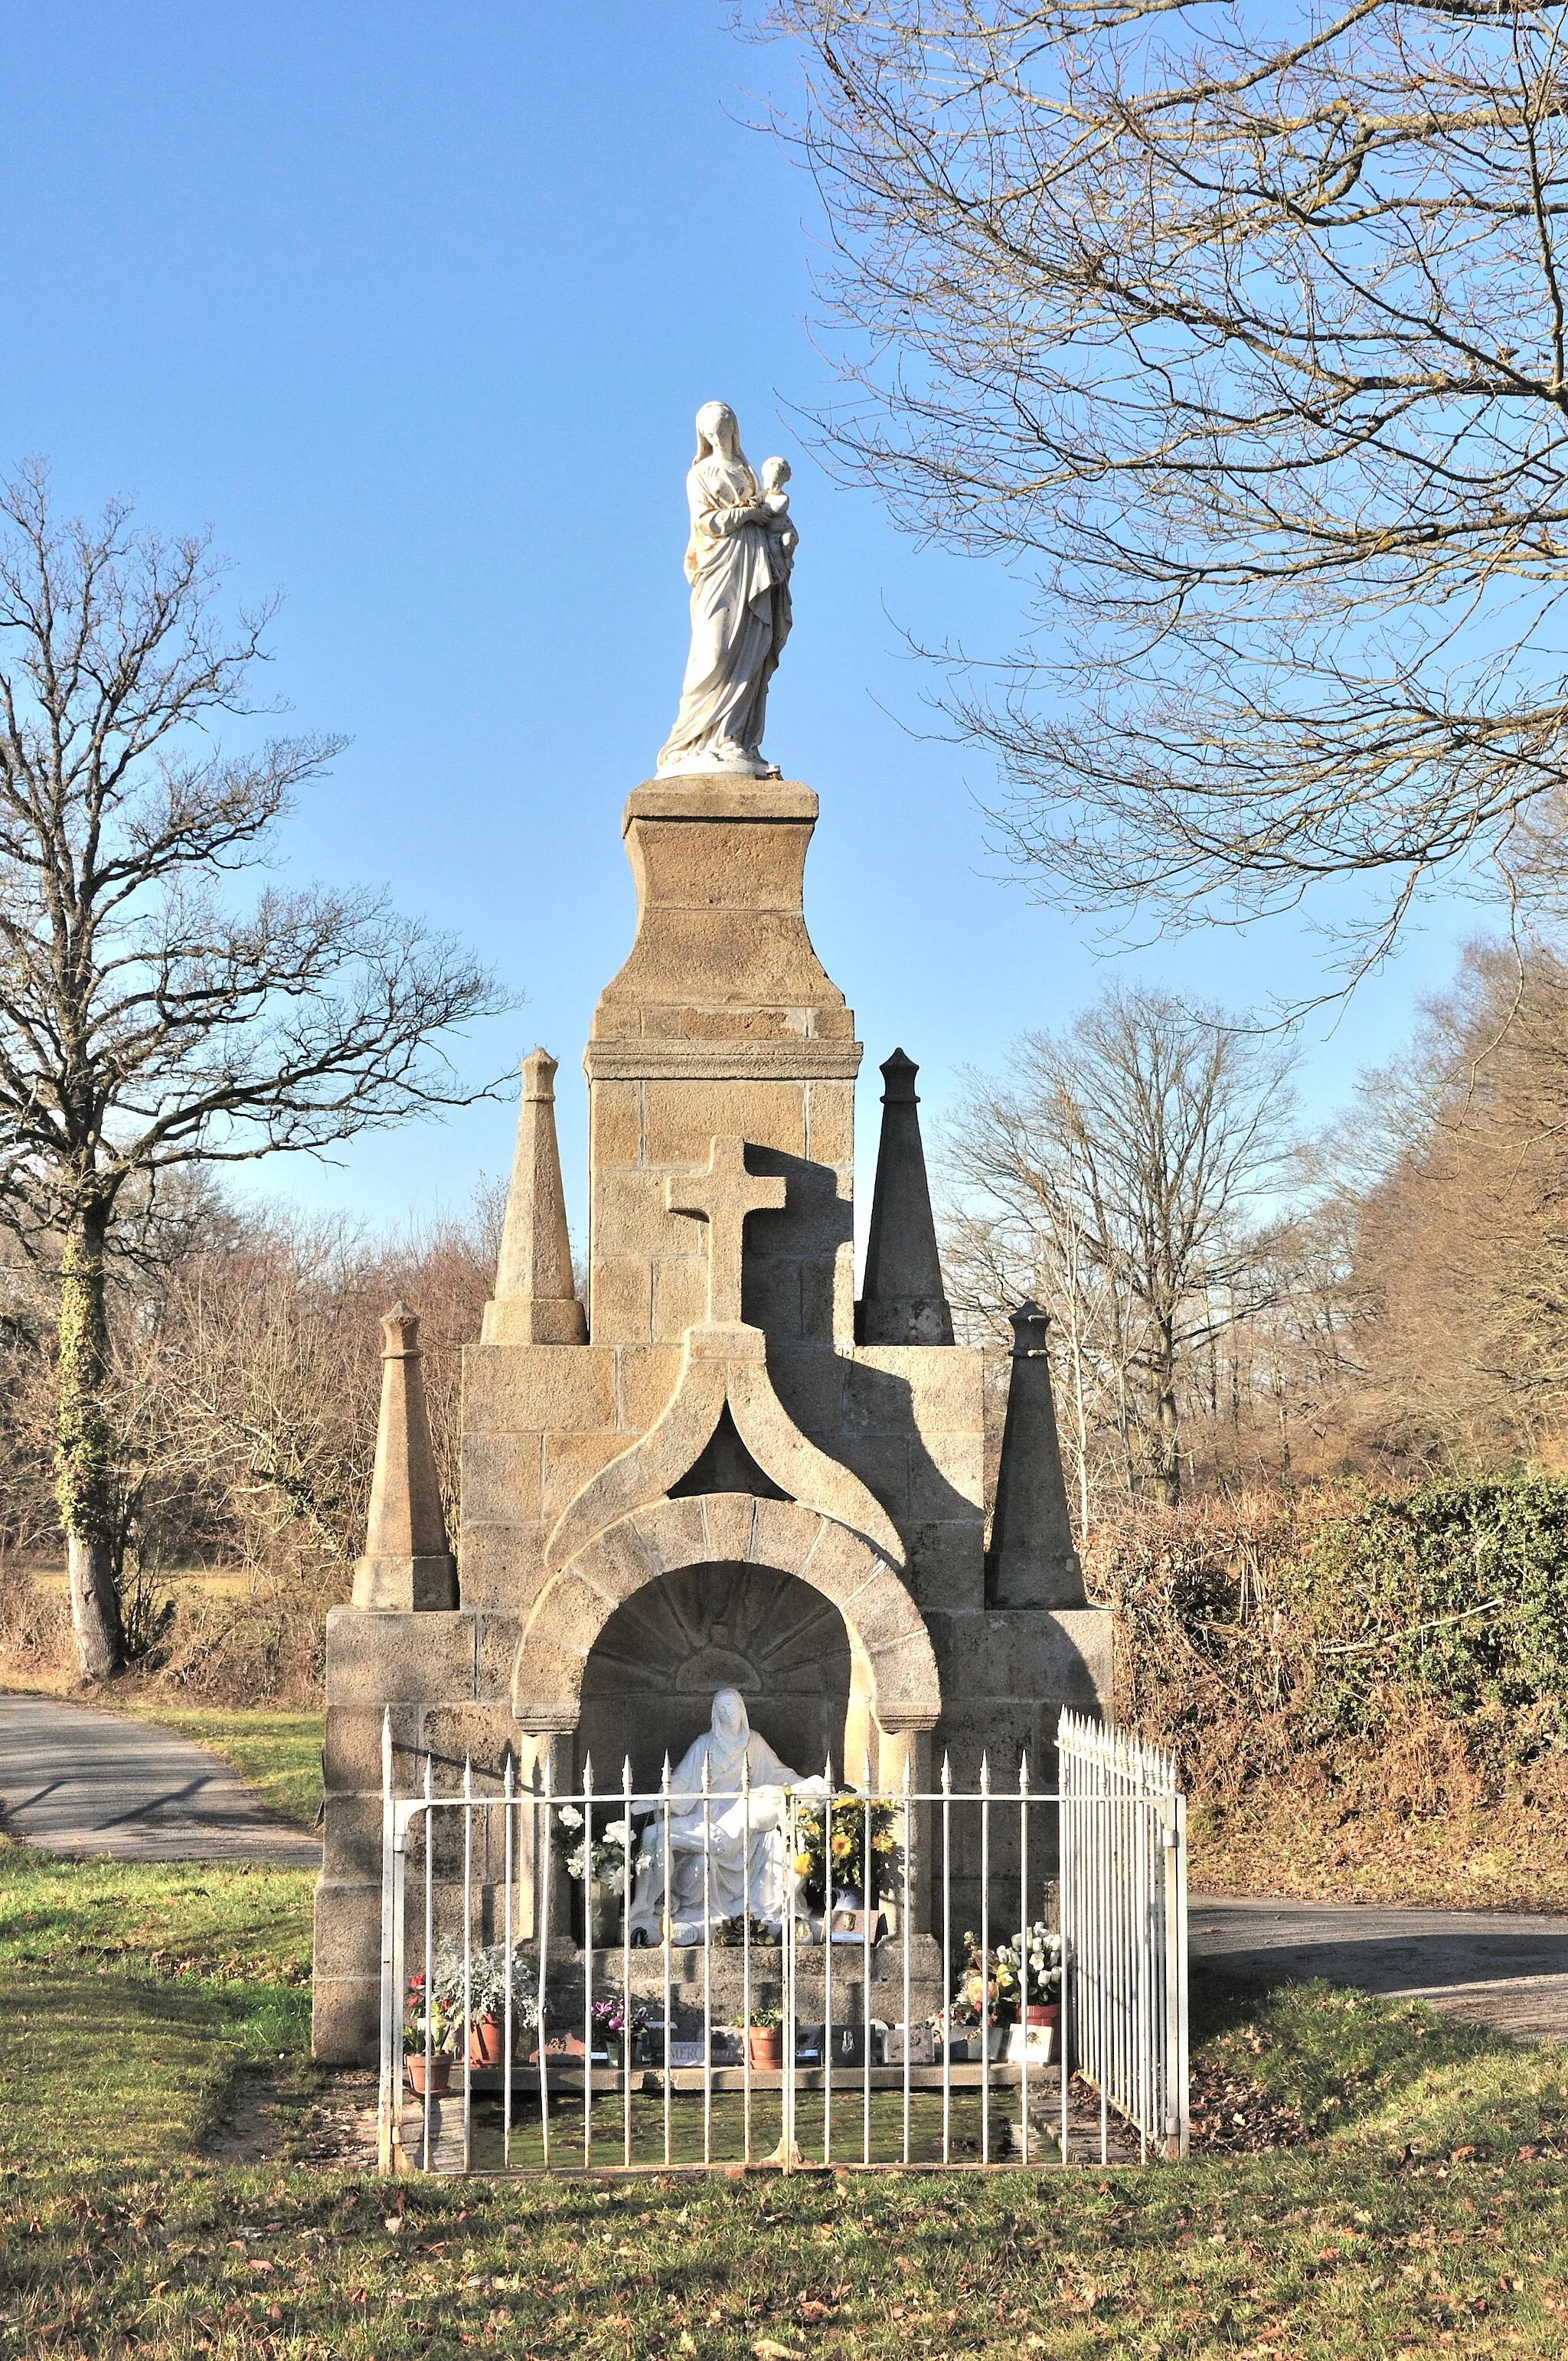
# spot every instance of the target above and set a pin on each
(721, 1473)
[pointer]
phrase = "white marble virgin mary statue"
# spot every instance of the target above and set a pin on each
(739, 560)
(739, 1876)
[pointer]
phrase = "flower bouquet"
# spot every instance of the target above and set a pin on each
(614, 2024)
(833, 1842)
(607, 1863)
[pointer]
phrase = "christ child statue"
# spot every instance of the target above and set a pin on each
(775, 500)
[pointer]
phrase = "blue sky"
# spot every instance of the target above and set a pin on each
(414, 306)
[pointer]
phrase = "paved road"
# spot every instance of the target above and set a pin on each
(77, 1781)
(1495, 1967)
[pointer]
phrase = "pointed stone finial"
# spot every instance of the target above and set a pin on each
(902, 1300)
(1032, 1562)
(535, 1301)
(407, 1565)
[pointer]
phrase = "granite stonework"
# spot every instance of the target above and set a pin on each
(701, 1478)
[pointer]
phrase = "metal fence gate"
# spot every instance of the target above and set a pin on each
(1123, 1918)
(985, 1976)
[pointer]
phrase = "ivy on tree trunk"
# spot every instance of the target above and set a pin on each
(85, 1464)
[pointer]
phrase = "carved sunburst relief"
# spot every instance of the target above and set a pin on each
(651, 1676)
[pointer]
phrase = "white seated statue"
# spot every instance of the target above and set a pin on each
(740, 1878)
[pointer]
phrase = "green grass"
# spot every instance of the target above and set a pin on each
(279, 1754)
(1429, 2215)
(134, 1992)
(202, 1920)
(1344, 2250)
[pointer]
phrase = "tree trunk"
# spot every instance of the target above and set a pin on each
(1167, 1447)
(84, 1482)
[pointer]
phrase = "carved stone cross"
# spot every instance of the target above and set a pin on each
(722, 1197)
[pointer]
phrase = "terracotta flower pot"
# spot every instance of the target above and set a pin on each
(1042, 2012)
(486, 2041)
(440, 2080)
(764, 2048)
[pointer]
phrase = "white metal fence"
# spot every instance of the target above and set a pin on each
(1123, 1840)
(1006, 1985)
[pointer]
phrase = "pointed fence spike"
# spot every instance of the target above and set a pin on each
(468, 1774)
(588, 1774)
(908, 1774)
(985, 1774)
(664, 1779)
(1024, 1772)
(866, 1773)
(509, 1782)
(947, 1773)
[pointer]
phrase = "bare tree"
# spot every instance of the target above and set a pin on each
(1245, 332)
(1461, 1246)
(145, 1026)
(1139, 1145)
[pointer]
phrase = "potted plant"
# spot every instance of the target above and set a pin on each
(487, 1998)
(764, 2041)
(427, 2039)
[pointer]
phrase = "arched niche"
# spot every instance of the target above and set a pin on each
(893, 1664)
(649, 1678)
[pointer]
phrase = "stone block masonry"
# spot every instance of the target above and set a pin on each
(715, 1470)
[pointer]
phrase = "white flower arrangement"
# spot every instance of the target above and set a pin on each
(603, 1858)
(1029, 1966)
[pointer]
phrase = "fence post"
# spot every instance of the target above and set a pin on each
(388, 2107)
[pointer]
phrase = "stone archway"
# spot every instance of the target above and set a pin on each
(893, 1665)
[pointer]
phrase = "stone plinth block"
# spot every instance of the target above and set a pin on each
(374, 1659)
(408, 1586)
(721, 943)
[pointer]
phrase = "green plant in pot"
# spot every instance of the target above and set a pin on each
(765, 2039)
(488, 1977)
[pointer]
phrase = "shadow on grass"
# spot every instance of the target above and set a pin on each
(1337, 2056)
(199, 1920)
(104, 2068)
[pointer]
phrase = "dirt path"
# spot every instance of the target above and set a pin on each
(1496, 1967)
(76, 1781)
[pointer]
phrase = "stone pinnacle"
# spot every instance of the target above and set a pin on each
(407, 1564)
(535, 1301)
(902, 1300)
(1032, 1562)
